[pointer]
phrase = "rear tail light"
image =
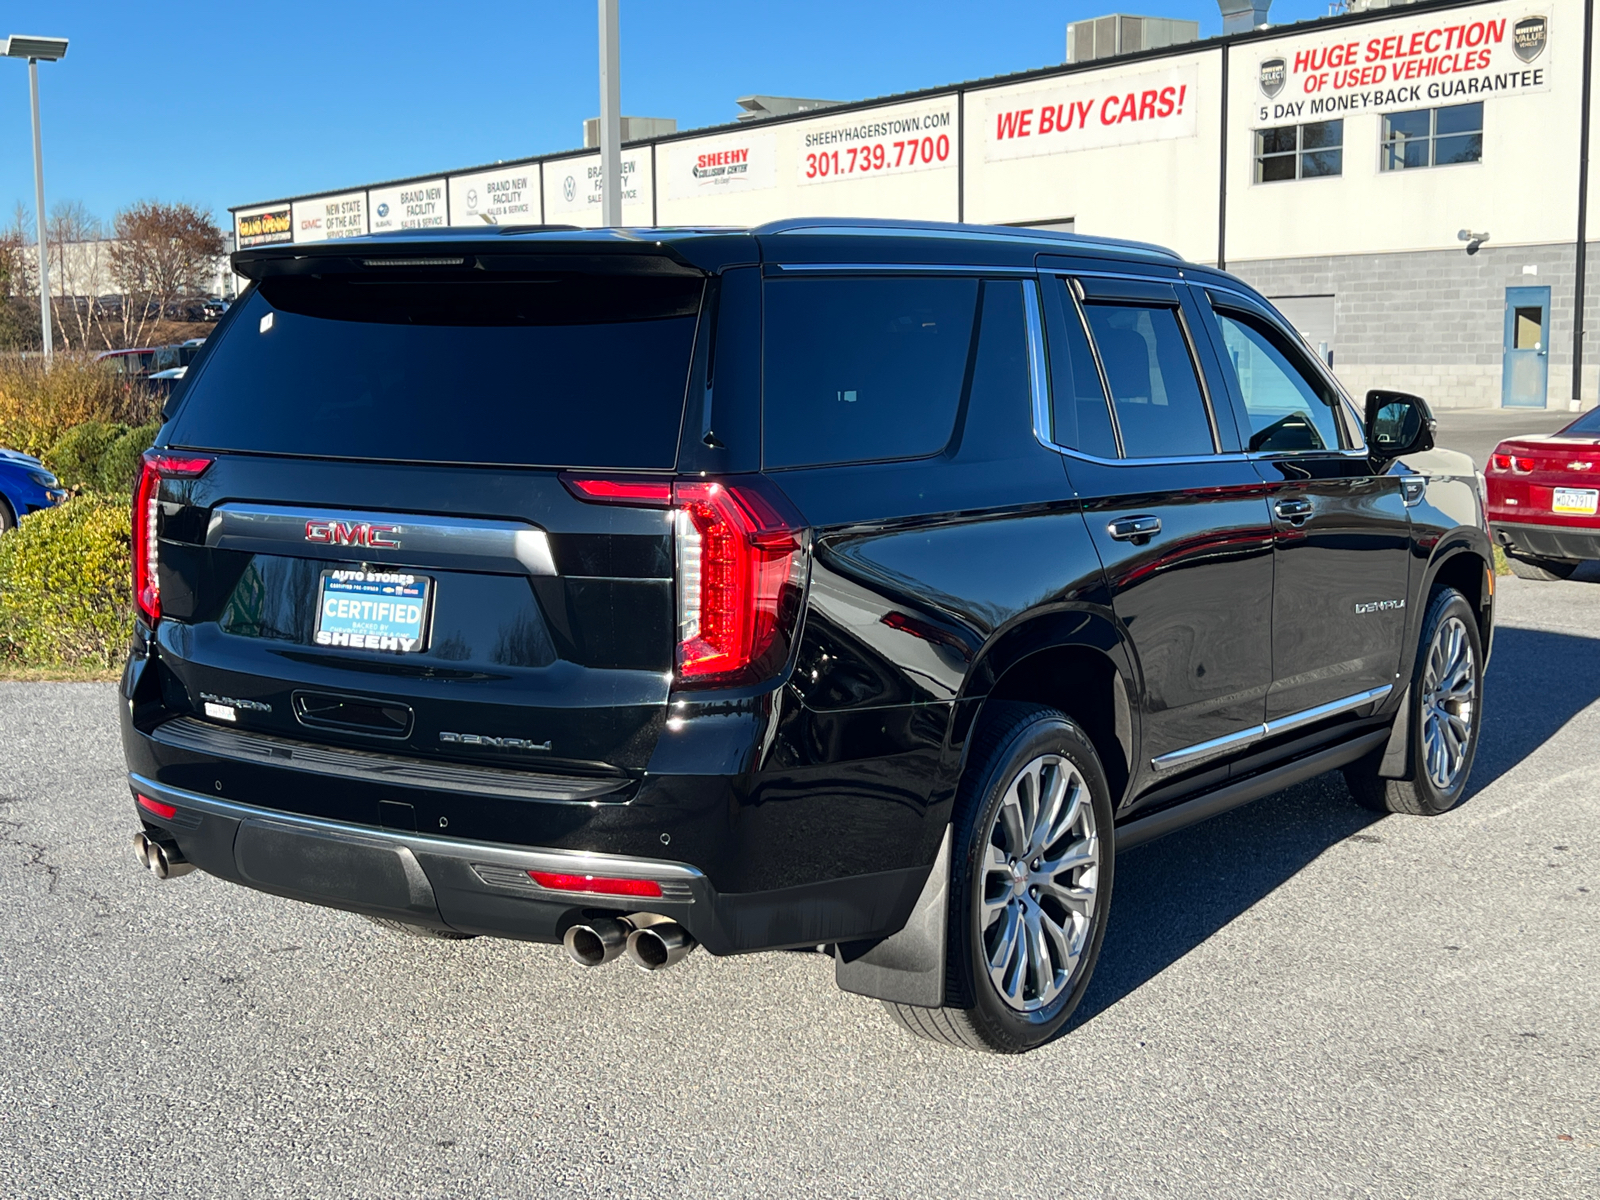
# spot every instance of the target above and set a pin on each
(740, 571)
(146, 511)
(741, 568)
(1523, 466)
(1500, 462)
(598, 884)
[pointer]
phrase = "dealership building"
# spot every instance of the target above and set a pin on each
(1409, 184)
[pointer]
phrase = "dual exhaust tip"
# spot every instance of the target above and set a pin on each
(162, 859)
(651, 943)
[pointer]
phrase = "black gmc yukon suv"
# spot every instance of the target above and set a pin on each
(849, 585)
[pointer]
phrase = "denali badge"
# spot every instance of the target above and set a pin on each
(1373, 606)
(353, 533)
(494, 743)
(1528, 37)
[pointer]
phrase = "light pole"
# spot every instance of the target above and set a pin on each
(33, 49)
(610, 118)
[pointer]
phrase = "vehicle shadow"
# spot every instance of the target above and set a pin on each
(1173, 894)
(1537, 682)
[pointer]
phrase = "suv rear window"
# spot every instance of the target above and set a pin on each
(558, 370)
(864, 370)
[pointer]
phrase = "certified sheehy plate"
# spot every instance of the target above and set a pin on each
(1575, 500)
(373, 610)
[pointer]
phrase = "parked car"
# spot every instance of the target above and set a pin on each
(1544, 490)
(135, 363)
(162, 383)
(213, 309)
(844, 585)
(26, 486)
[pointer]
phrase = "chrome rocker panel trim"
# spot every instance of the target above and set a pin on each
(1201, 751)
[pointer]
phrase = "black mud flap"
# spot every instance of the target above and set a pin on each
(906, 967)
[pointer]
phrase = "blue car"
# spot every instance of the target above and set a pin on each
(26, 486)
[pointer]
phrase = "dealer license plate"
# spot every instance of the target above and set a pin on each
(373, 610)
(1575, 500)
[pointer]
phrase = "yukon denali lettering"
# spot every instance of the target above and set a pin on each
(931, 509)
(494, 743)
(353, 533)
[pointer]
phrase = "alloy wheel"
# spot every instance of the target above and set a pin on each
(1040, 881)
(1449, 692)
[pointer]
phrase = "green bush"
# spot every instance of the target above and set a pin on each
(65, 593)
(99, 456)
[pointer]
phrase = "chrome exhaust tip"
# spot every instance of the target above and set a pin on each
(141, 849)
(659, 946)
(596, 942)
(165, 860)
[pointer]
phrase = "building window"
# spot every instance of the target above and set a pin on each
(1433, 137)
(1300, 151)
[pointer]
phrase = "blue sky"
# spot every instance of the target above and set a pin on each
(221, 103)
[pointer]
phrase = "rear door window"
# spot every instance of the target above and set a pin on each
(862, 369)
(544, 369)
(1079, 418)
(1161, 410)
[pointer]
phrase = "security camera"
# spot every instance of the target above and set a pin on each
(1473, 240)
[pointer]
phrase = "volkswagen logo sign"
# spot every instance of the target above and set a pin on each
(1273, 73)
(1528, 37)
(569, 189)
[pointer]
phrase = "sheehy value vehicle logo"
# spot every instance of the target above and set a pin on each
(1274, 71)
(1528, 37)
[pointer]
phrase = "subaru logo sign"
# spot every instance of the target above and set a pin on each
(383, 210)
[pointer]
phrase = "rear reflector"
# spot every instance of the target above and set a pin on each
(598, 884)
(165, 811)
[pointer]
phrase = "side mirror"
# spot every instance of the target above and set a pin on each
(1398, 423)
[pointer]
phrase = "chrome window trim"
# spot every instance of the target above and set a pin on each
(1201, 751)
(575, 862)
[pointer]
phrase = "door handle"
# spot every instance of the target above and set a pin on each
(1293, 511)
(1133, 529)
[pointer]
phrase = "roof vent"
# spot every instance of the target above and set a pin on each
(1106, 37)
(759, 108)
(1241, 16)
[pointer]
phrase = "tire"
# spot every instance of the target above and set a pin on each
(1446, 696)
(1542, 569)
(406, 929)
(1020, 752)
(8, 520)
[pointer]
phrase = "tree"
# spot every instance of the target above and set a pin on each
(160, 252)
(78, 272)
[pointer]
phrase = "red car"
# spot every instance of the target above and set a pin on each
(1544, 490)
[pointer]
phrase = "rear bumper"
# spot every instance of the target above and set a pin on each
(1547, 541)
(484, 888)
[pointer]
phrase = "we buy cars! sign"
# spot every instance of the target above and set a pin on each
(1069, 115)
(1456, 57)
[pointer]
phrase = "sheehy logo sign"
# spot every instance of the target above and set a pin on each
(745, 163)
(1072, 115)
(1451, 58)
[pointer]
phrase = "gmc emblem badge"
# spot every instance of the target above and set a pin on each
(353, 533)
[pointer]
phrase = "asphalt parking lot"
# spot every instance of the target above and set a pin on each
(1297, 999)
